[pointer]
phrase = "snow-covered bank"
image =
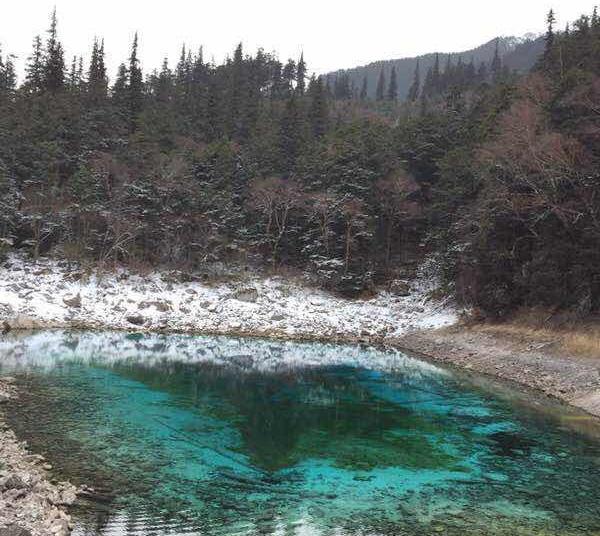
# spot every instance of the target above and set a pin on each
(50, 293)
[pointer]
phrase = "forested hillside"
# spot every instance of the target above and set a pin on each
(255, 160)
(517, 54)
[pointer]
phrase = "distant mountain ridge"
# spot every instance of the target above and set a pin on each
(517, 53)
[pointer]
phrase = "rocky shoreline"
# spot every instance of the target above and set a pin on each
(31, 502)
(536, 364)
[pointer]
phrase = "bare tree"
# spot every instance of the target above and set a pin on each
(394, 197)
(274, 198)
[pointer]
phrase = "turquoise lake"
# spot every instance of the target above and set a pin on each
(224, 436)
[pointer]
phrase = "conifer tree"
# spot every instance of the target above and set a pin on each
(8, 79)
(380, 92)
(135, 85)
(413, 92)
(392, 93)
(34, 74)
(289, 77)
(496, 66)
(97, 85)
(436, 76)
(73, 79)
(120, 90)
(54, 62)
(364, 89)
(301, 76)
(318, 106)
(549, 38)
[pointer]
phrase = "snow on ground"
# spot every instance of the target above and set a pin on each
(50, 293)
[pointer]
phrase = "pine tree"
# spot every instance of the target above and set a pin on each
(496, 66)
(364, 89)
(73, 78)
(135, 85)
(8, 79)
(301, 76)
(289, 77)
(318, 113)
(413, 92)
(120, 90)
(436, 76)
(34, 77)
(549, 39)
(97, 85)
(54, 62)
(380, 92)
(392, 93)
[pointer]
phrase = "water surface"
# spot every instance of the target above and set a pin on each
(213, 435)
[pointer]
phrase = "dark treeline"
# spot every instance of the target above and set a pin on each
(255, 160)
(437, 81)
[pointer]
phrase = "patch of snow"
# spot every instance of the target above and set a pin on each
(38, 290)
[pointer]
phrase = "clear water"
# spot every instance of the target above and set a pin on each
(204, 435)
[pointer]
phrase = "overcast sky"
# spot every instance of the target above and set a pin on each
(333, 33)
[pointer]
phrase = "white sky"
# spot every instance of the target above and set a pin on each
(333, 33)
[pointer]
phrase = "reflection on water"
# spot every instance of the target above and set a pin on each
(208, 435)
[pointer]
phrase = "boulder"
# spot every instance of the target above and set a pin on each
(136, 320)
(248, 294)
(12, 482)
(400, 288)
(161, 306)
(22, 322)
(74, 301)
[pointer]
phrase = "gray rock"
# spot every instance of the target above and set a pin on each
(249, 294)
(399, 288)
(136, 320)
(22, 322)
(75, 301)
(14, 530)
(13, 482)
(162, 306)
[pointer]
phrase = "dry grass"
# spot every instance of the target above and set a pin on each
(583, 343)
(567, 335)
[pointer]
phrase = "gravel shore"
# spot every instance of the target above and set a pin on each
(31, 504)
(537, 364)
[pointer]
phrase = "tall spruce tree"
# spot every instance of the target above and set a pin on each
(413, 92)
(8, 78)
(496, 65)
(392, 93)
(364, 89)
(54, 61)
(34, 72)
(380, 92)
(436, 76)
(301, 76)
(318, 112)
(135, 86)
(97, 84)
